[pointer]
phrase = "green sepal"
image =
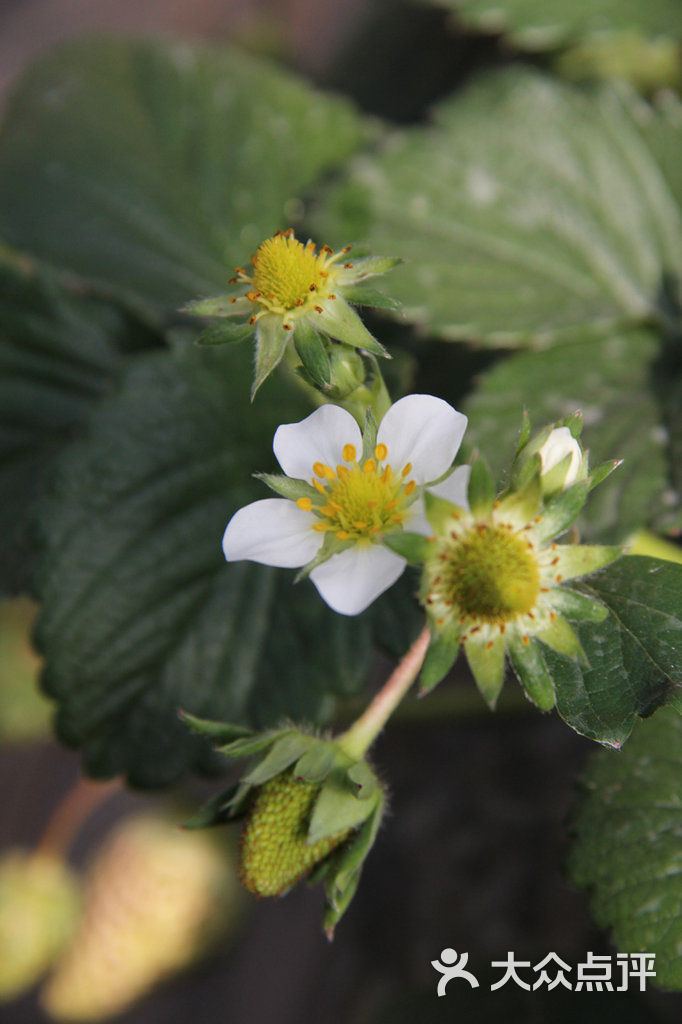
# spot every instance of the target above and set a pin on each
(337, 807)
(600, 472)
(365, 295)
(553, 480)
(487, 666)
(574, 422)
(225, 333)
(413, 547)
(441, 513)
(532, 672)
(251, 745)
(440, 657)
(283, 753)
(374, 266)
(523, 504)
(524, 435)
(481, 491)
(312, 353)
(369, 435)
(331, 545)
(345, 868)
(271, 343)
(558, 635)
(218, 732)
(580, 559)
(561, 510)
(316, 764)
(339, 321)
(578, 607)
(215, 811)
(215, 305)
(288, 487)
(362, 776)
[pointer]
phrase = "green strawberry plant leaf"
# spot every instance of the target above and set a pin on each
(591, 374)
(156, 167)
(60, 351)
(627, 849)
(541, 24)
(633, 664)
(141, 615)
(528, 208)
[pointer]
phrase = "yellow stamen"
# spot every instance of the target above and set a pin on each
(410, 487)
(349, 453)
(320, 527)
(406, 470)
(387, 474)
(343, 535)
(304, 503)
(381, 451)
(369, 466)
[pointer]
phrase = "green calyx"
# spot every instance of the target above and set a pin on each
(308, 807)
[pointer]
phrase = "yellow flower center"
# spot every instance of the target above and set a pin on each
(361, 501)
(289, 276)
(485, 572)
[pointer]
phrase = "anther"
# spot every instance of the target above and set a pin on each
(381, 451)
(287, 327)
(342, 535)
(312, 288)
(489, 646)
(325, 248)
(304, 503)
(320, 527)
(347, 248)
(348, 266)
(318, 309)
(359, 524)
(252, 320)
(349, 453)
(410, 487)
(406, 470)
(369, 466)
(386, 475)
(232, 300)
(526, 640)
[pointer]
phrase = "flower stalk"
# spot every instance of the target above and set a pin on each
(357, 740)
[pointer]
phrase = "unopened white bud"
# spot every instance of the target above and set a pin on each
(556, 449)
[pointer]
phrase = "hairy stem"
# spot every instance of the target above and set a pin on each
(357, 740)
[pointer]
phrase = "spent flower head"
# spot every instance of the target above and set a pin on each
(495, 581)
(344, 492)
(293, 292)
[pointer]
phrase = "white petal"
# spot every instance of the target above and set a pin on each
(320, 437)
(425, 431)
(453, 489)
(351, 580)
(273, 531)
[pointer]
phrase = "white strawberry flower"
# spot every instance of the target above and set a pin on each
(345, 492)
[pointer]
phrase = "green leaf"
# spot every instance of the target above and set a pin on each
(141, 614)
(627, 850)
(593, 375)
(134, 163)
(633, 655)
(530, 665)
(644, 596)
(528, 208)
(60, 351)
(541, 24)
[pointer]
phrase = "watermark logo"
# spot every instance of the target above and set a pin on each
(451, 966)
(597, 973)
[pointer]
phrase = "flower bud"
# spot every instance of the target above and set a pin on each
(563, 461)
